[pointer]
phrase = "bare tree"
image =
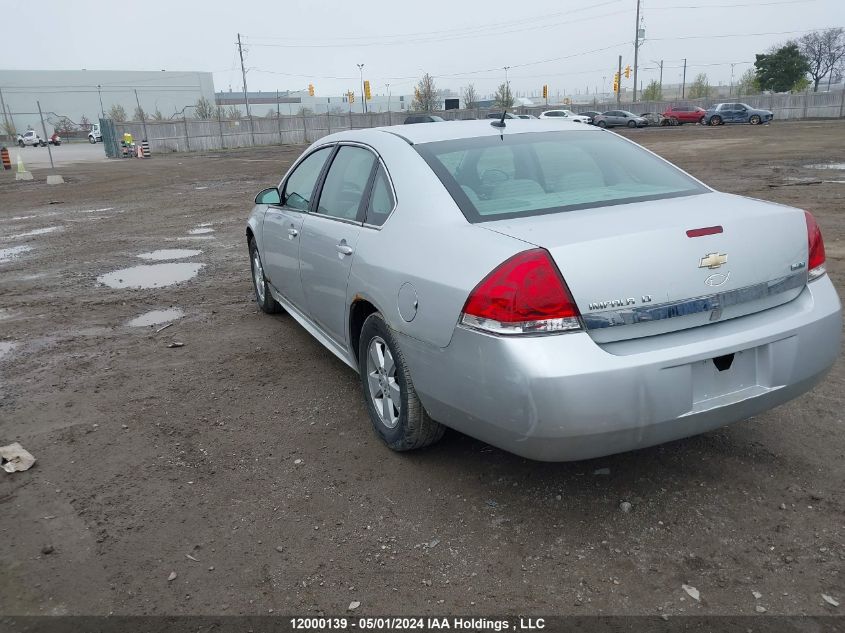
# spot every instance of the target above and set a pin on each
(747, 84)
(85, 123)
(204, 109)
(426, 94)
(233, 112)
(470, 96)
(139, 114)
(699, 88)
(652, 91)
(823, 50)
(157, 115)
(503, 97)
(304, 111)
(117, 113)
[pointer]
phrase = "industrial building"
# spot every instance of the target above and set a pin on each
(291, 102)
(88, 94)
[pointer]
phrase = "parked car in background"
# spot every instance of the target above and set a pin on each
(568, 115)
(94, 135)
(30, 138)
(722, 113)
(655, 119)
(498, 115)
(684, 114)
(592, 114)
(55, 139)
(559, 293)
(423, 118)
(525, 116)
(615, 118)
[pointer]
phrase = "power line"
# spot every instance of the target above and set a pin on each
(730, 6)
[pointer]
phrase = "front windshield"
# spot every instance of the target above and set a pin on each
(517, 175)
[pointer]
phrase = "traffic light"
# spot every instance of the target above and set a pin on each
(615, 82)
(545, 91)
(627, 71)
(351, 96)
(367, 93)
(310, 90)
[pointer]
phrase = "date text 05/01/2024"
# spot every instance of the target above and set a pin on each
(419, 624)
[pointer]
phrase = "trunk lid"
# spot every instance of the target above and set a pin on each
(633, 270)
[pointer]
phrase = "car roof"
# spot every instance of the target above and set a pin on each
(451, 130)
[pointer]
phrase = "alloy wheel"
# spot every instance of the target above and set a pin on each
(258, 275)
(385, 392)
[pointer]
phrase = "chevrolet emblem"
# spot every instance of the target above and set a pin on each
(713, 260)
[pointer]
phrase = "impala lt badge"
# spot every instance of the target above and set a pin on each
(713, 260)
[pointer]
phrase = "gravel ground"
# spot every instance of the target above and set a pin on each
(238, 473)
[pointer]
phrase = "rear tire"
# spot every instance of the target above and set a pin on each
(715, 120)
(701, 121)
(754, 120)
(20, 143)
(92, 140)
(396, 412)
(601, 124)
(262, 289)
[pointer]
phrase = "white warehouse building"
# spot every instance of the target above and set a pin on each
(88, 93)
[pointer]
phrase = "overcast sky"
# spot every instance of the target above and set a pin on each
(571, 46)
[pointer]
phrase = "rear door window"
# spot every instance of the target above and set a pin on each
(381, 199)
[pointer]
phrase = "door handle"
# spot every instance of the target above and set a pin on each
(344, 249)
(293, 232)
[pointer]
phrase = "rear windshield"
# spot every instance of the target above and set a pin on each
(518, 175)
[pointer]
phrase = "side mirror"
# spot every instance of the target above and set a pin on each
(269, 196)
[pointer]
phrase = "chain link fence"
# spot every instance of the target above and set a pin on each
(188, 134)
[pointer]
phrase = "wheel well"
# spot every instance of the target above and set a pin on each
(358, 313)
(249, 235)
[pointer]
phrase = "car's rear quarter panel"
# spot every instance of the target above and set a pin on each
(427, 243)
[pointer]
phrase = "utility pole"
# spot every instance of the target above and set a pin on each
(636, 49)
(44, 129)
(619, 84)
(9, 127)
(143, 116)
(246, 96)
(363, 96)
(388, 97)
(731, 87)
(100, 93)
(661, 79)
(684, 80)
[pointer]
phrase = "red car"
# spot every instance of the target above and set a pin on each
(685, 114)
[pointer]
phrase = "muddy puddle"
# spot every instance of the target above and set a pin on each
(7, 254)
(164, 254)
(156, 317)
(202, 230)
(151, 275)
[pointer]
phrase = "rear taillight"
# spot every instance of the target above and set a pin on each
(815, 244)
(524, 295)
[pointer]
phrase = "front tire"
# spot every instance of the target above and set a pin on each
(396, 412)
(262, 290)
(601, 124)
(20, 143)
(715, 120)
(632, 124)
(92, 140)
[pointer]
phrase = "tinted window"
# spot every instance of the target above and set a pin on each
(300, 185)
(531, 174)
(346, 183)
(381, 200)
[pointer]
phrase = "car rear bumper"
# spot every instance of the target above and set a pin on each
(564, 397)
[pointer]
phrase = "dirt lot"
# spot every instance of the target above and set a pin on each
(244, 461)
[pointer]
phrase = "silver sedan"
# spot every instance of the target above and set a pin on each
(549, 288)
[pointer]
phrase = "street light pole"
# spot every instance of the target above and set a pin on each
(99, 92)
(636, 49)
(388, 97)
(363, 95)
